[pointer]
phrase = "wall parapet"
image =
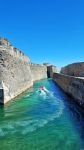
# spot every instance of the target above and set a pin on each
(15, 52)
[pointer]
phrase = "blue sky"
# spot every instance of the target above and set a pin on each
(45, 30)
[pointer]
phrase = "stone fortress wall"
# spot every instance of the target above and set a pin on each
(38, 71)
(15, 76)
(50, 69)
(75, 69)
(71, 80)
(71, 85)
(16, 72)
(5, 45)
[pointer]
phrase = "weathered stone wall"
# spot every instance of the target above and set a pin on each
(75, 69)
(16, 72)
(73, 86)
(5, 45)
(15, 76)
(38, 71)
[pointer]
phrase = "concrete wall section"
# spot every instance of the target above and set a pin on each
(71, 85)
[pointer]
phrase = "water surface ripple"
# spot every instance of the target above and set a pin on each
(42, 122)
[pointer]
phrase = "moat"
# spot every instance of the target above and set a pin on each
(36, 122)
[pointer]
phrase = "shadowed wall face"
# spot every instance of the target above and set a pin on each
(50, 70)
(1, 96)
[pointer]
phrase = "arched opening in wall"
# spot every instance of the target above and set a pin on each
(1, 96)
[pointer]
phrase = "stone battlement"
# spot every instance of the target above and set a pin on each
(5, 45)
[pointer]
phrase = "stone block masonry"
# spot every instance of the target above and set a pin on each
(73, 86)
(17, 74)
(75, 69)
(16, 53)
(38, 71)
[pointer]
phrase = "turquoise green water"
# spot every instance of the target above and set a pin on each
(42, 122)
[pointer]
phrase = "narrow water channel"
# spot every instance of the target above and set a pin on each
(42, 122)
